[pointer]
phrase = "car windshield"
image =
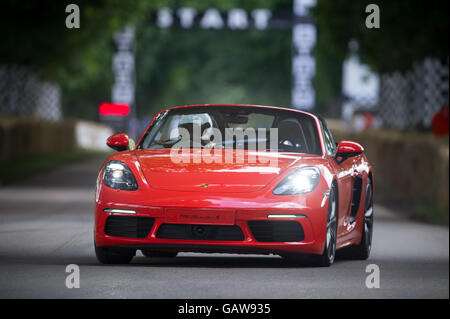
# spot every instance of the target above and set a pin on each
(240, 127)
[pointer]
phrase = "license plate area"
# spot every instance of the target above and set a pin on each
(200, 216)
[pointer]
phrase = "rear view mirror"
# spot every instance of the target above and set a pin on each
(346, 149)
(118, 142)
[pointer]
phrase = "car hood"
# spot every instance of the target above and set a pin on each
(162, 173)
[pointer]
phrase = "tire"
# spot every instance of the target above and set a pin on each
(158, 254)
(107, 255)
(362, 250)
(329, 252)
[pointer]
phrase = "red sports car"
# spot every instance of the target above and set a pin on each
(234, 179)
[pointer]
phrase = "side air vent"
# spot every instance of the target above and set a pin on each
(128, 226)
(356, 198)
(276, 231)
(200, 232)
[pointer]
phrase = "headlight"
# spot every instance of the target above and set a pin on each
(302, 181)
(117, 175)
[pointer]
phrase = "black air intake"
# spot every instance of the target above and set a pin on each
(276, 231)
(356, 198)
(128, 226)
(200, 232)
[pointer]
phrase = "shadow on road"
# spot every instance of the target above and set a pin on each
(186, 260)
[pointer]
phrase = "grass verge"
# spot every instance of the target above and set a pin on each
(431, 213)
(26, 165)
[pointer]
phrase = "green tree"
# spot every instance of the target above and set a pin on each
(35, 36)
(205, 66)
(410, 30)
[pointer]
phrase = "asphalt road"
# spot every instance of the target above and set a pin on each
(46, 223)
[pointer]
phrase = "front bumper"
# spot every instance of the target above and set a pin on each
(311, 216)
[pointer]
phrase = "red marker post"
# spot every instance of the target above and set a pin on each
(440, 122)
(115, 115)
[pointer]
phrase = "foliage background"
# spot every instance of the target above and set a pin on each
(177, 66)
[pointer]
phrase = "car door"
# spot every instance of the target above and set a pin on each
(343, 171)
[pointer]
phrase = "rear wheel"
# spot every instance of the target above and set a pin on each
(329, 251)
(159, 254)
(109, 255)
(362, 250)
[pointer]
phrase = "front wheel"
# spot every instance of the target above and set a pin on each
(329, 251)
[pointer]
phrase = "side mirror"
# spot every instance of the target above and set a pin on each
(349, 147)
(118, 142)
(346, 149)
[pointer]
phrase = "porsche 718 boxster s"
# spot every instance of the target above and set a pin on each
(234, 179)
